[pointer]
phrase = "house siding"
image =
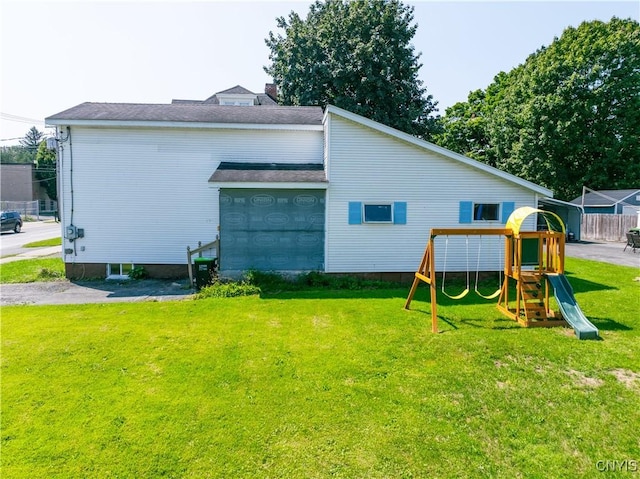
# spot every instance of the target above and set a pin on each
(142, 195)
(369, 166)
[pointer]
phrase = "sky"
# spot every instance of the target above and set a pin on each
(58, 54)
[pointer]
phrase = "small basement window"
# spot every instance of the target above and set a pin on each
(486, 211)
(378, 213)
(118, 270)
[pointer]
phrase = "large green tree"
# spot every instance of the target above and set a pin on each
(356, 55)
(568, 116)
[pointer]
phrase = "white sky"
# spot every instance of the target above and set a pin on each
(55, 55)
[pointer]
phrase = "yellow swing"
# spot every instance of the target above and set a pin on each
(444, 268)
(499, 290)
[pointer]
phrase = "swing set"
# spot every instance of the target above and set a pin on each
(528, 258)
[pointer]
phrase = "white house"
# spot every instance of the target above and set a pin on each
(285, 188)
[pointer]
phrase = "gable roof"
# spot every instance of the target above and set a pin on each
(387, 130)
(201, 115)
(605, 198)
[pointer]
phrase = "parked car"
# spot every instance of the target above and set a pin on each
(11, 221)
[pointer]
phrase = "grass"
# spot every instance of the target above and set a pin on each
(32, 270)
(44, 243)
(318, 383)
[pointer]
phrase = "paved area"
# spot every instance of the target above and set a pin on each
(608, 252)
(67, 292)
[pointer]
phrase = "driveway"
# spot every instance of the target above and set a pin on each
(83, 292)
(608, 252)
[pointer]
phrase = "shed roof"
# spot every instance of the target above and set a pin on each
(228, 172)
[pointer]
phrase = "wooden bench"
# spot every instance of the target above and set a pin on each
(633, 240)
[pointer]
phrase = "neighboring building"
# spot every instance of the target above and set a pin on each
(18, 184)
(618, 202)
(285, 188)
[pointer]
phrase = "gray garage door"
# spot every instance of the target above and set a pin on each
(272, 230)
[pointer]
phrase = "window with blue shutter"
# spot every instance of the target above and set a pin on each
(355, 212)
(400, 213)
(466, 212)
(507, 208)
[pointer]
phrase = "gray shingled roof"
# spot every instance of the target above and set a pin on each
(268, 173)
(188, 112)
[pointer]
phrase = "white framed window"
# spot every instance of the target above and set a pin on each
(378, 212)
(486, 211)
(119, 270)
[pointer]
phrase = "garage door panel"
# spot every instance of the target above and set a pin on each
(272, 229)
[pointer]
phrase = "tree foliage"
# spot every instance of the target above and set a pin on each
(46, 171)
(356, 55)
(569, 116)
(32, 139)
(16, 154)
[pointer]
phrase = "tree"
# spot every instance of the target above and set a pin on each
(32, 139)
(355, 55)
(568, 116)
(46, 172)
(15, 154)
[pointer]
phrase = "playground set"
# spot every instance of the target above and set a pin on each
(533, 267)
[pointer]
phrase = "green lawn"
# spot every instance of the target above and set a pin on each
(321, 383)
(45, 243)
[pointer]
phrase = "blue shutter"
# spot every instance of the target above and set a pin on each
(507, 209)
(355, 212)
(466, 212)
(400, 213)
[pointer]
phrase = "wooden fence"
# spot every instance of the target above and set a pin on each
(607, 227)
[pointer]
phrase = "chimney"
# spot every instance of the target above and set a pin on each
(272, 91)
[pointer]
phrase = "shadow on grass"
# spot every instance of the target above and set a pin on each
(608, 324)
(580, 285)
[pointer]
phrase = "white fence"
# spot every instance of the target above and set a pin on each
(607, 227)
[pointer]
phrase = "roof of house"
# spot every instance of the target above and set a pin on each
(605, 198)
(114, 113)
(425, 145)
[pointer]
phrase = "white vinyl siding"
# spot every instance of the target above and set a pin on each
(371, 167)
(142, 195)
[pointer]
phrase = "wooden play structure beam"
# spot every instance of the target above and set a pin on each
(427, 269)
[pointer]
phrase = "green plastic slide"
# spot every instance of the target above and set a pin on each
(569, 308)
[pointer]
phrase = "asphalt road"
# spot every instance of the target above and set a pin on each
(12, 243)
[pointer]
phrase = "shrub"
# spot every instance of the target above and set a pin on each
(220, 289)
(138, 272)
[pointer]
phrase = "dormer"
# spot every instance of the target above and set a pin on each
(237, 96)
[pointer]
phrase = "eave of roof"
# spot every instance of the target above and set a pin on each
(331, 109)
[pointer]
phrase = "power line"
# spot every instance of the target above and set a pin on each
(21, 119)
